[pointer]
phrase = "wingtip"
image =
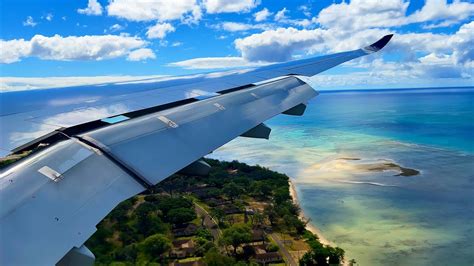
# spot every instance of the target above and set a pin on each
(376, 46)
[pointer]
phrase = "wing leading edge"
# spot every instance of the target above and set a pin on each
(52, 200)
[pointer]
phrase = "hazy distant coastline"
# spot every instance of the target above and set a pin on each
(421, 89)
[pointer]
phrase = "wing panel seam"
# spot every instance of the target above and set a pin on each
(129, 170)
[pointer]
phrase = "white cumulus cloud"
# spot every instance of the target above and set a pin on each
(262, 15)
(306, 10)
(115, 27)
(277, 45)
(420, 55)
(463, 45)
(237, 26)
(29, 22)
(93, 9)
(159, 30)
(281, 15)
(358, 14)
(89, 47)
(361, 14)
(440, 10)
(161, 10)
(141, 54)
(48, 17)
(226, 6)
(13, 50)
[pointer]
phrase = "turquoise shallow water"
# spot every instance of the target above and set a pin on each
(379, 218)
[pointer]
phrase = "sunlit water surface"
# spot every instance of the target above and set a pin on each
(377, 217)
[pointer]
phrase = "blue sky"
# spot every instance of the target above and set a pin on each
(102, 40)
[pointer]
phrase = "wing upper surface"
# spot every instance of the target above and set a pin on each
(52, 201)
(28, 115)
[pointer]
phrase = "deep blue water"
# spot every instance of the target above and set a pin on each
(379, 218)
(438, 117)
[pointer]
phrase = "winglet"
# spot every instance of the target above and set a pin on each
(376, 46)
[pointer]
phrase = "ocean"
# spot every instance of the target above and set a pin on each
(334, 154)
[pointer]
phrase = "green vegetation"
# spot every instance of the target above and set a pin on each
(225, 218)
(136, 231)
(214, 258)
(181, 215)
(236, 235)
(156, 244)
(320, 254)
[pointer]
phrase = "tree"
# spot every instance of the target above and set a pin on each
(336, 255)
(128, 253)
(236, 235)
(218, 214)
(150, 224)
(213, 192)
(232, 190)
(307, 259)
(203, 245)
(204, 233)
(322, 255)
(292, 222)
(166, 204)
(270, 212)
(272, 247)
(258, 219)
(120, 212)
(181, 215)
(281, 195)
(155, 245)
(261, 189)
(144, 209)
(214, 258)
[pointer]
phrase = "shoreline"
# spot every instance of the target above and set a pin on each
(309, 226)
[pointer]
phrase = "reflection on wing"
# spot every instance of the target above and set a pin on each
(52, 200)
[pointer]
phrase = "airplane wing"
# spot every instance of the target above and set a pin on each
(108, 142)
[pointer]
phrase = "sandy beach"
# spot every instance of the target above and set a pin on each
(311, 227)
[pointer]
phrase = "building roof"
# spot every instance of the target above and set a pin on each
(258, 235)
(188, 230)
(188, 263)
(269, 256)
(183, 243)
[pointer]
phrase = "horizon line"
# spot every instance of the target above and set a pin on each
(393, 89)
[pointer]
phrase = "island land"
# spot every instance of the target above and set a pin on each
(237, 215)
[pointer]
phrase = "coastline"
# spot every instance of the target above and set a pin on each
(310, 227)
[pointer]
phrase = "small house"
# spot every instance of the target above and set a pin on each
(186, 230)
(269, 257)
(182, 248)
